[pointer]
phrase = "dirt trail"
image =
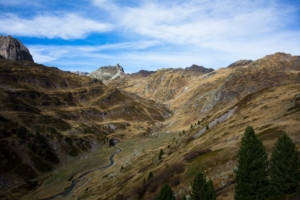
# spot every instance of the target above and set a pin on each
(73, 184)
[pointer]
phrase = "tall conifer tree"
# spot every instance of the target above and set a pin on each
(166, 193)
(284, 167)
(202, 189)
(251, 174)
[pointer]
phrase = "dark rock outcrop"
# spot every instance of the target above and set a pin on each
(143, 73)
(197, 68)
(13, 49)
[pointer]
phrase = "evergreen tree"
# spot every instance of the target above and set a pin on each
(202, 189)
(166, 193)
(207, 127)
(284, 167)
(198, 122)
(160, 154)
(150, 176)
(251, 174)
(210, 193)
(191, 126)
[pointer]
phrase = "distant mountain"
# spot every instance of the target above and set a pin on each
(163, 85)
(13, 49)
(80, 73)
(143, 73)
(201, 69)
(107, 73)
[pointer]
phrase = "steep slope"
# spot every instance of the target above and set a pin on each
(13, 49)
(264, 94)
(221, 89)
(48, 116)
(192, 94)
(163, 85)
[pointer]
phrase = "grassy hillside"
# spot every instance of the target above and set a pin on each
(49, 117)
(264, 94)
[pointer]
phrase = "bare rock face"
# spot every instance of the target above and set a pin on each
(240, 63)
(13, 49)
(107, 73)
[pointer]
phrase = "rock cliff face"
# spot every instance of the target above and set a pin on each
(13, 49)
(107, 73)
(240, 63)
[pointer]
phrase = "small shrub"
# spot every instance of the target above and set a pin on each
(193, 154)
(174, 181)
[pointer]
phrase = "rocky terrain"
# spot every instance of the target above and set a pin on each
(55, 126)
(107, 73)
(240, 63)
(13, 49)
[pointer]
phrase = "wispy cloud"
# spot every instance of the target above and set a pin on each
(192, 22)
(65, 26)
(47, 53)
(151, 34)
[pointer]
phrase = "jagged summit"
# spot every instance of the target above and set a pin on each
(199, 69)
(143, 73)
(107, 73)
(13, 49)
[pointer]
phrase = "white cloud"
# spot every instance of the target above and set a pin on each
(67, 26)
(48, 53)
(194, 23)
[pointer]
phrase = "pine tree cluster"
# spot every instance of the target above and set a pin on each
(256, 178)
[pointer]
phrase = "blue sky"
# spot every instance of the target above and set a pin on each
(150, 34)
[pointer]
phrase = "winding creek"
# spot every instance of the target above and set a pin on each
(113, 142)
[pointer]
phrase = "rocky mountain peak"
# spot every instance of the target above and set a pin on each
(198, 68)
(107, 73)
(13, 49)
(143, 73)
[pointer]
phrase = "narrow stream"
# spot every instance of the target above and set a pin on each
(113, 142)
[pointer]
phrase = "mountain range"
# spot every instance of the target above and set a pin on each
(57, 125)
